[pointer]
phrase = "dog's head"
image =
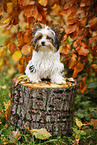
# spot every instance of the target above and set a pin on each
(45, 37)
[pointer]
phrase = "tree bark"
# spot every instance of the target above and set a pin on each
(42, 105)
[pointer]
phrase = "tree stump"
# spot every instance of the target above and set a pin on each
(43, 105)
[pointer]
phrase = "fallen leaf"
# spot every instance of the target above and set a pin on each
(78, 123)
(93, 122)
(15, 135)
(41, 133)
(7, 109)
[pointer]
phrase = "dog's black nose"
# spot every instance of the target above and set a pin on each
(43, 43)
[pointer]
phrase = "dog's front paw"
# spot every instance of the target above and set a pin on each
(58, 79)
(34, 79)
(32, 68)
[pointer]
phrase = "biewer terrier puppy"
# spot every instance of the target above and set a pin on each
(45, 62)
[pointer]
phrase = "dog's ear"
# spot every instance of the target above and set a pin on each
(59, 31)
(35, 27)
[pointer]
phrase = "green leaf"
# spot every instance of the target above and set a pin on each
(69, 40)
(92, 85)
(41, 133)
(78, 123)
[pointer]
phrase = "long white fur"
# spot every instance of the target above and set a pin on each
(46, 60)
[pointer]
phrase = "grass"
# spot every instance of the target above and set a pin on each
(84, 131)
(85, 109)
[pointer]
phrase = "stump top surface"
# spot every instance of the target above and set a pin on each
(45, 84)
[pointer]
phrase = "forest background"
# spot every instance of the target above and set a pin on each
(78, 51)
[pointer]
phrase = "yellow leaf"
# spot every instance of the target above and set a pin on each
(16, 55)
(22, 77)
(41, 133)
(9, 5)
(43, 2)
(90, 58)
(6, 21)
(2, 51)
(78, 123)
(14, 2)
(55, 5)
(4, 139)
(7, 109)
(1, 62)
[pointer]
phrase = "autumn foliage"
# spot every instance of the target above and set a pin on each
(79, 45)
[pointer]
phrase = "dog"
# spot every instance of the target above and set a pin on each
(45, 62)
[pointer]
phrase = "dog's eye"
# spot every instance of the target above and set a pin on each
(39, 37)
(48, 37)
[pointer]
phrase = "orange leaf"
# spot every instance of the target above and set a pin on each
(94, 68)
(88, 71)
(20, 38)
(27, 37)
(16, 55)
(70, 28)
(28, 11)
(94, 49)
(43, 2)
(93, 25)
(83, 51)
(93, 122)
(92, 39)
(68, 4)
(63, 12)
(82, 85)
(22, 60)
(28, 58)
(71, 21)
(24, 2)
(83, 22)
(78, 68)
(12, 47)
(72, 11)
(64, 50)
(73, 61)
(38, 16)
(26, 49)
(14, 2)
(21, 68)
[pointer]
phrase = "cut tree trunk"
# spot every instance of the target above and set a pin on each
(43, 105)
